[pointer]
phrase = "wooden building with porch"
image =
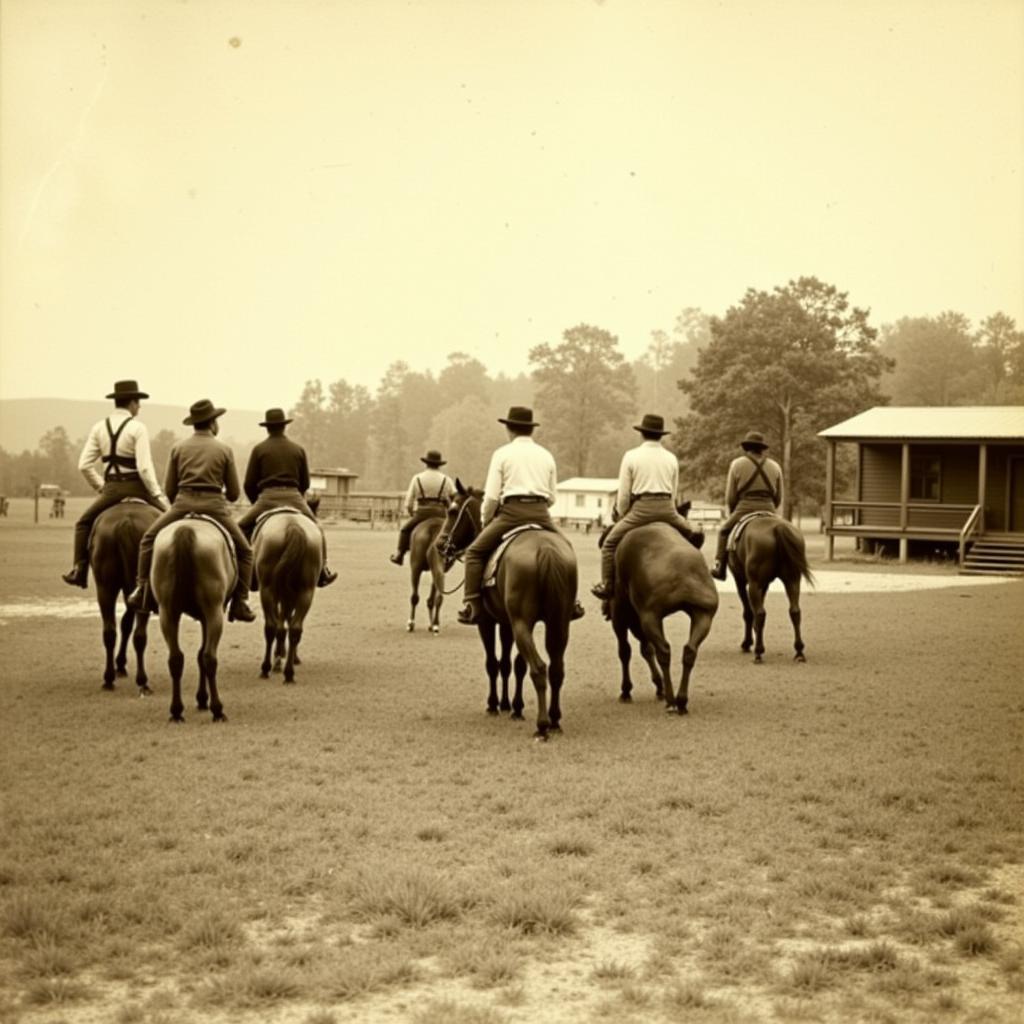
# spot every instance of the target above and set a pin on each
(949, 475)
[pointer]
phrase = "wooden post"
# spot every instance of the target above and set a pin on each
(904, 499)
(830, 487)
(982, 483)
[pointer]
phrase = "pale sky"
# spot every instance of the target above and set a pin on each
(226, 198)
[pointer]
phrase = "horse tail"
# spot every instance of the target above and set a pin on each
(792, 550)
(182, 565)
(287, 578)
(557, 583)
(126, 540)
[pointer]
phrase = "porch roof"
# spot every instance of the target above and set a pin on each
(932, 423)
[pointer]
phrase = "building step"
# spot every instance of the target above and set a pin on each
(968, 571)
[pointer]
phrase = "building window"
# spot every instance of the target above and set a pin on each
(580, 500)
(925, 478)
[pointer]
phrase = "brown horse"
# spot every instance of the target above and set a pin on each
(288, 557)
(536, 582)
(193, 574)
(425, 556)
(113, 557)
(658, 572)
(768, 548)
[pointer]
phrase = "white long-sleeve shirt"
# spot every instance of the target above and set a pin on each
(133, 443)
(521, 467)
(649, 468)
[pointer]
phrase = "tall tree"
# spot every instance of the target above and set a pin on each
(668, 359)
(584, 390)
(461, 377)
(934, 361)
(789, 363)
(1000, 348)
(348, 427)
(312, 423)
(466, 433)
(59, 455)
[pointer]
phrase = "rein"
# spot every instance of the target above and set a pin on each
(457, 555)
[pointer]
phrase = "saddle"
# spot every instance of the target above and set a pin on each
(264, 516)
(737, 530)
(494, 559)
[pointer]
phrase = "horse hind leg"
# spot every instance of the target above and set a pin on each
(625, 655)
(414, 600)
(486, 630)
(757, 596)
(121, 662)
(538, 674)
(139, 640)
(269, 630)
(793, 594)
(748, 615)
(295, 624)
(213, 627)
(555, 642)
(700, 626)
(654, 634)
(109, 641)
(175, 661)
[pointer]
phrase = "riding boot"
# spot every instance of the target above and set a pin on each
(718, 569)
(603, 590)
(327, 577)
(239, 610)
(397, 557)
(578, 611)
(469, 615)
(141, 598)
(78, 576)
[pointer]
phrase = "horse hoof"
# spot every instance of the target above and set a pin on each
(625, 698)
(540, 737)
(516, 716)
(745, 648)
(758, 660)
(410, 627)
(176, 720)
(145, 691)
(288, 682)
(122, 673)
(799, 657)
(107, 686)
(220, 718)
(265, 674)
(493, 712)
(435, 630)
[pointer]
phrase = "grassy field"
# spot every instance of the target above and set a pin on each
(836, 841)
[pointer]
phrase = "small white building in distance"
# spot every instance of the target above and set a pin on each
(585, 499)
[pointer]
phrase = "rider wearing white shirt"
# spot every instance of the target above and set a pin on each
(121, 444)
(519, 490)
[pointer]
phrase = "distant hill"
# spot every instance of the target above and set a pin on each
(23, 421)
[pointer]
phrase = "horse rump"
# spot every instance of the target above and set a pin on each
(792, 548)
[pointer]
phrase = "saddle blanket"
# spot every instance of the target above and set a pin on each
(737, 530)
(264, 516)
(491, 568)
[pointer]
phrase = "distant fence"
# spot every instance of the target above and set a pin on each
(363, 507)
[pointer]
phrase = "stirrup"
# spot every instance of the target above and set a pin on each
(239, 611)
(718, 570)
(602, 590)
(396, 558)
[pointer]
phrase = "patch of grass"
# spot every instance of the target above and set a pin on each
(55, 992)
(571, 846)
(33, 918)
(432, 834)
(48, 960)
(612, 970)
(976, 941)
(363, 969)
(685, 996)
(544, 911)
(251, 986)
(321, 1017)
(210, 930)
(445, 1011)
(416, 897)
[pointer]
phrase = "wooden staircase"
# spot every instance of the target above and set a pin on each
(995, 554)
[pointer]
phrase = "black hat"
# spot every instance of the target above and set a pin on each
(275, 418)
(519, 416)
(202, 412)
(754, 439)
(433, 458)
(127, 389)
(652, 424)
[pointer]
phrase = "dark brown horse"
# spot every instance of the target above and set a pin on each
(288, 557)
(193, 574)
(768, 548)
(424, 556)
(659, 572)
(536, 582)
(114, 557)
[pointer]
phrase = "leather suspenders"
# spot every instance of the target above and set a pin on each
(115, 462)
(758, 472)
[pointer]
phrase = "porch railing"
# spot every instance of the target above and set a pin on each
(968, 530)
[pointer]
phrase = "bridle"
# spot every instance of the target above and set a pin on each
(447, 548)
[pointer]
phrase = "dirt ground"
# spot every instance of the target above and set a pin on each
(912, 664)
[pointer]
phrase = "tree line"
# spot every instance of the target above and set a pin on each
(788, 362)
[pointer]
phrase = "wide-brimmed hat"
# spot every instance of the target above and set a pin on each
(652, 424)
(519, 416)
(275, 418)
(202, 412)
(754, 439)
(433, 458)
(127, 389)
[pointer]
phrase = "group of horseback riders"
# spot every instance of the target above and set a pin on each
(520, 489)
(201, 478)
